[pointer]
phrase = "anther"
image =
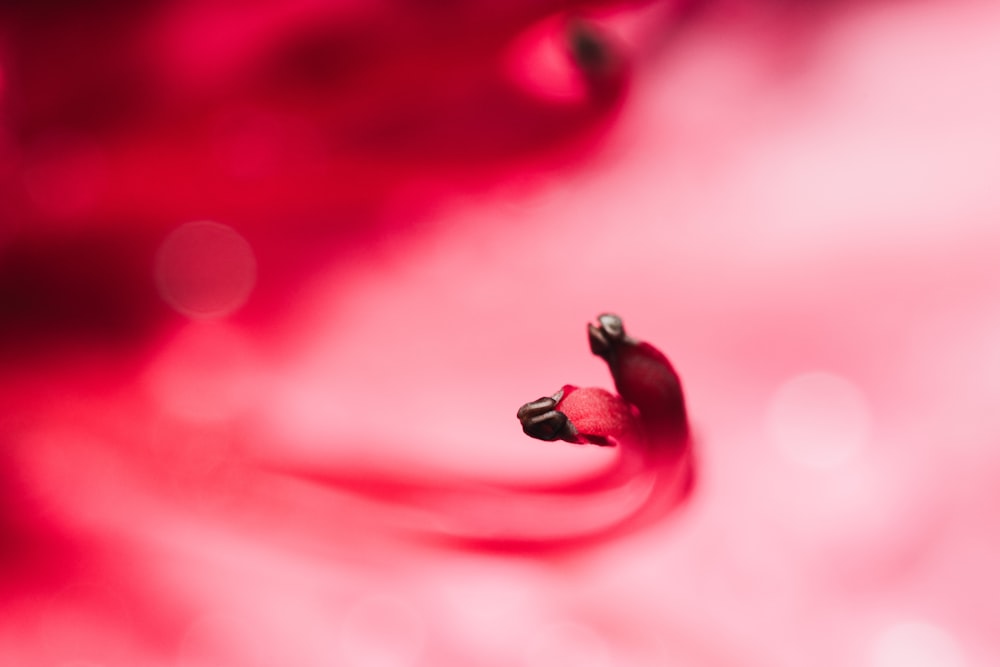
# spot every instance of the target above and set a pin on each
(540, 420)
(606, 335)
(588, 47)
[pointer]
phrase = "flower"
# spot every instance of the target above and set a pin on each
(804, 226)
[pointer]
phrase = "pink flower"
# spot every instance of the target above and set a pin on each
(274, 276)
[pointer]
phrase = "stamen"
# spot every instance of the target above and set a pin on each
(540, 420)
(648, 388)
(609, 332)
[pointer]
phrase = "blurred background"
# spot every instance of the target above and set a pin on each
(348, 238)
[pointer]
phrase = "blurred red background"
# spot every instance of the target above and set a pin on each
(350, 238)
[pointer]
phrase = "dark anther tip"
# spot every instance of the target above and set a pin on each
(612, 325)
(587, 46)
(542, 421)
(549, 426)
(536, 407)
(608, 332)
(599, 345)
